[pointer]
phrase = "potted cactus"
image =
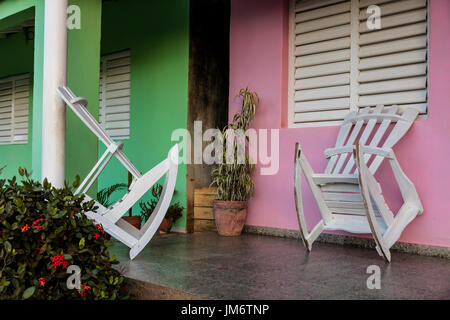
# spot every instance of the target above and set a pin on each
(233, 179)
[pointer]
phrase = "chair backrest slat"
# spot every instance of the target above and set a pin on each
(365, 135)
(368, 117)
(351, 141)
(342, 135)
(400, 129)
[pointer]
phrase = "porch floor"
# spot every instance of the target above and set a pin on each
(207, 266)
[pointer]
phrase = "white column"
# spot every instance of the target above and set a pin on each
(53, 109)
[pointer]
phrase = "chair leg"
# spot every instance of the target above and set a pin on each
(366, 186)
(153, 223)
(308, 238)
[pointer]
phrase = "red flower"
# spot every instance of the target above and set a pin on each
(99, 227)
(25, 228)
(36, 222)
(58, 260)
(85, 288)
(96, 236)
(42, 281)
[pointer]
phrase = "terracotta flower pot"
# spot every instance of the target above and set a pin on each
(165, 225)
(230, 216)
(134, 221)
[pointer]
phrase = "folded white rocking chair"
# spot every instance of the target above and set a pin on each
(111, 218)
(347, 194)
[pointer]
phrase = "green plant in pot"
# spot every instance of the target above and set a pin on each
(233, 178)
(104, 198)
(174, 212)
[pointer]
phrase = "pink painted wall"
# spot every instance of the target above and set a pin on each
(259, 56)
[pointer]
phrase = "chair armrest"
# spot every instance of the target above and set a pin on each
(366, 149)
(406, 186)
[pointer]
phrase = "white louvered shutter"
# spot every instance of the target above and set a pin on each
(14, 105)
(338, 64)
(114, 113)
(393, 66)
(322, 61)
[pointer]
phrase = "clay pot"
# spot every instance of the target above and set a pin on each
(134, 221)
(230, 216)
(165, 225)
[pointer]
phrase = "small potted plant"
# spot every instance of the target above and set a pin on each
(174, 212)
(233, 180)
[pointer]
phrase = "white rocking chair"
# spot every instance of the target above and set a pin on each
(347, 194)
(111, 218)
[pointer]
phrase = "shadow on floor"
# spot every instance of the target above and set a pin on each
(207, 266)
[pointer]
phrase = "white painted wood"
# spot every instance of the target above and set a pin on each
(324, 46)
(365, 184)
(388, 47)
(320, 105)
(396, 7)
(363, 139)
(354, 60)
(363, 4)
(322, 70)
(332, 48)
(407, 97)
(321, 58)
(14, 104)
(324, 23)
(115, 94)
(395, 33)
(320, 82)
(325, 11)
(309, 173)
(393, 73)
(322, 93)
(323, 178)
(350, 223)
(111, 218)
(341, 196)
(54, 76)
(393, 85)
(319, 116)
(353, 202)
(323, 35)
(395, 59)
(312, 4)
(398, 20)
(351, 140)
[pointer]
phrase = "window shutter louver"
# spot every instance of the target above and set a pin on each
(338, 64)
(393, 66)
(14, 104)
(114, 112)
(322, 60)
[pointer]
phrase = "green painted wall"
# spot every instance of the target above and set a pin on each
(11, 7)
(16, 56)
(156, 32)
(83, 75)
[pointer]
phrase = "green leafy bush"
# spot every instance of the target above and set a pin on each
(43, 231)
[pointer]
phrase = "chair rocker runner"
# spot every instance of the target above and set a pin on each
(347, 194)
(111, 218)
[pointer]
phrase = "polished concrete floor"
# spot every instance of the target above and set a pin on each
(261, 267)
